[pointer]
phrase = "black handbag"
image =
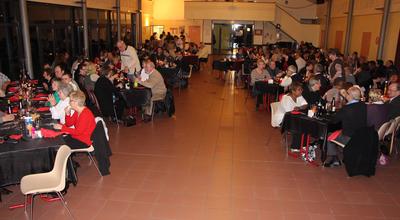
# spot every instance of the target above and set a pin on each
(130, 121)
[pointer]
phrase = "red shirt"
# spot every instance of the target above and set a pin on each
(84, 126)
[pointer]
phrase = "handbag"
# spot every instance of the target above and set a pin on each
(130, 121)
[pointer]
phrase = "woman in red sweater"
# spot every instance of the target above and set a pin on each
(82, 119)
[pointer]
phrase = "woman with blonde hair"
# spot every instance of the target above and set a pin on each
(82, 119)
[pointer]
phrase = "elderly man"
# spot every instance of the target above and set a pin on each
(311, 92)
(394, 101)
(4, 82)
(353, 116)
(272, 69)
(130, 63)
(291, 76)
(156, 83)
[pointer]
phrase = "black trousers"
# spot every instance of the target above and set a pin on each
(296, 141)
(74, 143)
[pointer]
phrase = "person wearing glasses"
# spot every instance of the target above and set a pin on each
(82, 120)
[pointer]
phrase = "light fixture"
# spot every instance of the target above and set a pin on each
(248, 29)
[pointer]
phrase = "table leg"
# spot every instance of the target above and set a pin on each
(324, 150)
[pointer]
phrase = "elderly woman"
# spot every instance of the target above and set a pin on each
(259, 73)
(58, 109)
(81, 118)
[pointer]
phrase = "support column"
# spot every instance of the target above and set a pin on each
(118, 9)
(85, 29)
(348, 28)
(327, 23)
(26, 37)
(139, 23)
(382, 35)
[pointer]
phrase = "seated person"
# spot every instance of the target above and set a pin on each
(5, 117)
(58, 109)
(311, 92)
(4, 82)
(67, 78)
(82, 119)
(259, 73)
(393, 101)
(338, 84)
(47, 79)
(292, 101)
(352, 116)
(290, 77)
(272, 69)
(156, 83)
(105, 90)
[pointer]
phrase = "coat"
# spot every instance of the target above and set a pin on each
(102, 149)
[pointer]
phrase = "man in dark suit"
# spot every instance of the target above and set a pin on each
(353, 116)
(394, 101)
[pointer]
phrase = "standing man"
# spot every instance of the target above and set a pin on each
(130, 63)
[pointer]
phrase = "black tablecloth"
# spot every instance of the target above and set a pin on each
(136, 97)
(263, 87)
(316, 128)
(28, 156)
(191, 60)
(222, 65)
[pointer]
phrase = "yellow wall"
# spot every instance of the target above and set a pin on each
(367, 17)
(336, 24)
(126, 5)
(365, 23)
(392, 35)
(300, 32)
(230, 11)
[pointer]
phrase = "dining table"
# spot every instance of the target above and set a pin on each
(22, 153)
(315, 127)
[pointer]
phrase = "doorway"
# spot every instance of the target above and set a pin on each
(227, 37)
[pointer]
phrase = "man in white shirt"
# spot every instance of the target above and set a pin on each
(130, 63)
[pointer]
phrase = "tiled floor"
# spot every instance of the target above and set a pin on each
(217, 159)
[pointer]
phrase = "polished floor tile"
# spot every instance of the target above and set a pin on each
(217, 158)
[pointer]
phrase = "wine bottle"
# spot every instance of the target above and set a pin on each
(333, 105)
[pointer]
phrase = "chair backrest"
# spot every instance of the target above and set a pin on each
(382, 130)
(93, 99)
(274, 109)
(391, 128)
(60, 166)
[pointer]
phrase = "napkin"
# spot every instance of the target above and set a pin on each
(47, 133)
(14, 99)
(295, 113)
(15, 109)
(41, 95)
(15, 136)
(43, 109)
(13, 89)
(35, 81)
(39, 99)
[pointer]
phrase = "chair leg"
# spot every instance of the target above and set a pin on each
(31, 211)
(26, 202)
(94, 163)
(65, 204)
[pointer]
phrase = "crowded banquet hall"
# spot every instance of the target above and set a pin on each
(199, 109)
